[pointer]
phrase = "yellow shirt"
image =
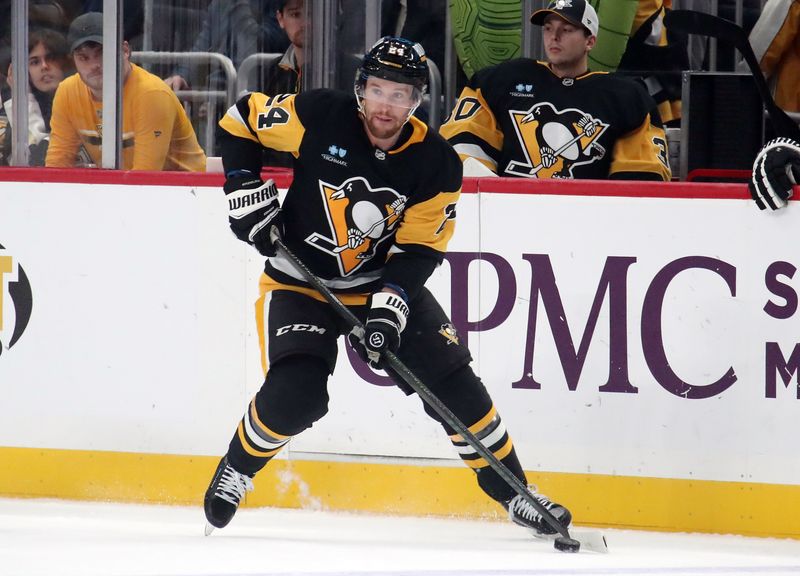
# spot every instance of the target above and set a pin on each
(156, 133)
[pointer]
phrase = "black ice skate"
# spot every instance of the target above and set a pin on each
(222, 499)
(522, 513)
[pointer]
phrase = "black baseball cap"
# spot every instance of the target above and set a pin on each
(577, 12)
(85, 28)
(281, 4)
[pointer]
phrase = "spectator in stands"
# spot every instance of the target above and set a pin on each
(52, 14)
(156, 133)
(48, 64)
(556, 119)
(776, 43)
(283, 76)
(236, 29)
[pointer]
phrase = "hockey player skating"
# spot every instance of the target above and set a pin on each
(370, 211)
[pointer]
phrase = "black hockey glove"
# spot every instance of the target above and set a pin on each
(775, 171)
(386, 320)
(254, 211)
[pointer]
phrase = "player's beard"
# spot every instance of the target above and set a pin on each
(380, 129)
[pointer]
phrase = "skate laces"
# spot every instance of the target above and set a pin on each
(519, 507)
(233, 485)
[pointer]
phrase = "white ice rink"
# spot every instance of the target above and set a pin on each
(56, 538)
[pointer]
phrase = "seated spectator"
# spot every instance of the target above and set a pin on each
(556, 119)
(48, 64)
(283, 76)
(156, 134)
(776, 43)
(236, 29)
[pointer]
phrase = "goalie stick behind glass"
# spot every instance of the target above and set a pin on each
(703, 24)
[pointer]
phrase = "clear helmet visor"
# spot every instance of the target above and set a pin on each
(404, 96)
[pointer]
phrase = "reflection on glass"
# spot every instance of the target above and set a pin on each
(156, 133)
(207, 53)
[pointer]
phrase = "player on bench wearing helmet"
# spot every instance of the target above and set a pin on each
(370, 211)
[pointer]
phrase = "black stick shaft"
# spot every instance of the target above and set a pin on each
(424, 392)
(703, 24)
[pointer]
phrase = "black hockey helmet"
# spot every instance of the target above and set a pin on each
(395, 59)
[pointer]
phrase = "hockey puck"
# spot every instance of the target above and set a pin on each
(565, 544)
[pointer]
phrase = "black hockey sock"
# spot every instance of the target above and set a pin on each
(466, 396)
(253, 444)
(293, 397)
(491, 432)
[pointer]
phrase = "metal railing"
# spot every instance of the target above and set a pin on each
(212, 97)
(435, 95)
(249, 65)
(235, 81)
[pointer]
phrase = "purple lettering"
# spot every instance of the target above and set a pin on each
(459, 282)
(776, 364)
(781, 290)
(612, 281)
(652, 338)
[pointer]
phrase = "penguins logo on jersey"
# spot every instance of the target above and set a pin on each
(360, 218)
(16, 301)
(449, 333)
(554, 141)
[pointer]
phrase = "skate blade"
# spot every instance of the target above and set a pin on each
(591, 540)
(209, 529)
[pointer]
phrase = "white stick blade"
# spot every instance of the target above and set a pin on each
(590, 540)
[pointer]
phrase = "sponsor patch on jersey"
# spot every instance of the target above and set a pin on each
(523, 90)
(335, 155)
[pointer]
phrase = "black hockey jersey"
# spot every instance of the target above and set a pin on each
(519, 119)
(351, 205)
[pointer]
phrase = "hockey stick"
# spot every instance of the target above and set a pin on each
(703, 24)
(564, 542)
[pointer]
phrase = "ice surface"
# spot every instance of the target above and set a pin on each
(59, 538)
